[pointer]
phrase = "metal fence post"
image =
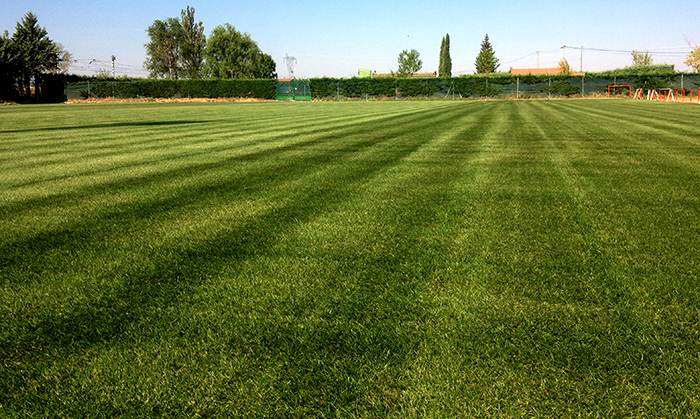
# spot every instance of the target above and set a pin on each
(517, 87)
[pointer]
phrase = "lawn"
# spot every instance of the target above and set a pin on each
(353, 259)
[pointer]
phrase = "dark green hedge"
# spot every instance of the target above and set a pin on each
(494, 85)
(471, 86)
(260, 89)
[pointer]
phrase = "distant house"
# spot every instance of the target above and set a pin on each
(535, 71)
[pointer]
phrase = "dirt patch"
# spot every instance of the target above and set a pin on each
(168, 100)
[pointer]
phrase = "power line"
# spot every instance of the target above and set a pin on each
(622, 51)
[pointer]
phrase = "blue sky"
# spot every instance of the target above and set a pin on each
(335, 38)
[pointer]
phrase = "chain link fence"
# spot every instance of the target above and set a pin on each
(501, 86)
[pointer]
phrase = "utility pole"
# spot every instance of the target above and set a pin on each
(583, 76)
(564, 47)
(114, 73)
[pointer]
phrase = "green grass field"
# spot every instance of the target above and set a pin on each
(353, 259)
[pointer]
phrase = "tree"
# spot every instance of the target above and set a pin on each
(176, 47)
(641, 58)
(164, 49)
(694, 59)
(8, 66)
(409, 63)
(445, 68)
(65, 59)
(564, 67)
(486, 61)
(34, 53)
(234, 55)
(266, 67)
(193, 44)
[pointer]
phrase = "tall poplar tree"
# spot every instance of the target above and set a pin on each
(194, 43)
(445, 68)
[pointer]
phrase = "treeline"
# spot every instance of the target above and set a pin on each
(178, 49)
(29, 60)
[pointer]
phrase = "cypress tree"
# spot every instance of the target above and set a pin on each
(445, 68)
(448, 59)
(486, 61)
(441, 66)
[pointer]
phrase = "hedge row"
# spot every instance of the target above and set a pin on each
(261, 89)
(501, 84)
(465, 86)
(494, 85)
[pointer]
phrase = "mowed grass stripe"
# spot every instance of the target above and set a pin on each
(213, 142)
(512, 341)
(231, 119)
(182, 198)
(668, 192)
(107, 195)
(367, 301)
(180, 129)
(236, 117)
(505, 258)
(633, 154)
(658, 125)
(184, 168)
(676, 114)
(616, 233)
(657, 148)
(210, 253)
(469, 362)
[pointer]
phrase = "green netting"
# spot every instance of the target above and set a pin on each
(78, 90)
(298, 90)
(504, 86)
(501, 86)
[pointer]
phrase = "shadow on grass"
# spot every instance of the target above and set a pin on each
(110, 125)
(393, 124)
(316, 130)
(162, 283)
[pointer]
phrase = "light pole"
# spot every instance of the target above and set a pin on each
(88, 69)
(583, 76)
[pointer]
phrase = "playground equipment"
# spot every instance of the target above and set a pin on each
(613, 88)
(666, 95)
